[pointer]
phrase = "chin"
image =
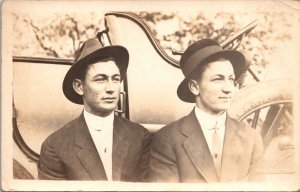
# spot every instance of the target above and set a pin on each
(107, 108)
(220, 110)
(223, 107)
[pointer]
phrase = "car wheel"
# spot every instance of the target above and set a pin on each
(267, 107)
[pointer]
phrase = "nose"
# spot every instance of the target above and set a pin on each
(110, 87)
(228, 87)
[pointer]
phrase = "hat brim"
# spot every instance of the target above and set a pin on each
(237, 60)
(118, 53)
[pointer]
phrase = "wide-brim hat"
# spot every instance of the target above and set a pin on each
(201, 53)
(91, 52)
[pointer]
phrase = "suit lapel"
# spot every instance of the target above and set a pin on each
(197, 149)
(87, 152)
(120, 148)
(232, 149)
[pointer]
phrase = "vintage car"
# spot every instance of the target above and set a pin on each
(149, 98)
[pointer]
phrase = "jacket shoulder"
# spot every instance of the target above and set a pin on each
(172, 129)
(130, 125)
(63, 133)
(243, 128)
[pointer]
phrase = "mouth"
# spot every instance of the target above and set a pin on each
(109, 99)
(225, 98)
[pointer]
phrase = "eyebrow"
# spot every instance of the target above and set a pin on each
(221, 75)
(105, 75)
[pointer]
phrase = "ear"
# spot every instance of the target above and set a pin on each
(194, 87)
(77, 86)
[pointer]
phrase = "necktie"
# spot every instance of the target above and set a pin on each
(216, 148)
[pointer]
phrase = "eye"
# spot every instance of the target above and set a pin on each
(218, 79)
(100, 79)
(116, 79)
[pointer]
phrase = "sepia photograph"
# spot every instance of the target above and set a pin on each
(150, 95)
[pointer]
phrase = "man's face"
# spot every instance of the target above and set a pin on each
(214, 89)
(101, 88)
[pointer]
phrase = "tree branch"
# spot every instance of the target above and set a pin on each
(36, 30)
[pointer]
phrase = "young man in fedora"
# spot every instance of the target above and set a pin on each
(97, 145)
(207, 145)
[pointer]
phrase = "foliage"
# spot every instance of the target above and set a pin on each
(59, 35)
(56, 36)
(274, 27)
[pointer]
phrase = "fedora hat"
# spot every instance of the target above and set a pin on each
(90, 52)
(201, 53)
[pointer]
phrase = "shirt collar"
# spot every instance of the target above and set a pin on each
(208, 121)
(96, 122)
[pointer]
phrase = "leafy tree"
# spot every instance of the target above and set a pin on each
(273, 28)
(57, 36)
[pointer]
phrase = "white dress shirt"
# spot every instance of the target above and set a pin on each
(208, 122)
(101, 130)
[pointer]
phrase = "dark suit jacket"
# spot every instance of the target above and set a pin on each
(71, 154)
(179, 153)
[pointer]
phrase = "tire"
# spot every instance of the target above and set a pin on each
(260, 95)
(20, 172)
(279, 150)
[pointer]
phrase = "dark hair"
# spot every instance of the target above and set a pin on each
(82, 71)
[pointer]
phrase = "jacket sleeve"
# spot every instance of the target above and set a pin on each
(162, 163)
(49, 165)
(143, 168)
(256, 172)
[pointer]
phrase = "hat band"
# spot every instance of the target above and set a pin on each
(198, 57)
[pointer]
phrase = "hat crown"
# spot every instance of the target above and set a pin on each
(195, 47)
(88, 47)
(197, 53)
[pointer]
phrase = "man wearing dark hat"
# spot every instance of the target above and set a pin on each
(207, 145)
(97, 145)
